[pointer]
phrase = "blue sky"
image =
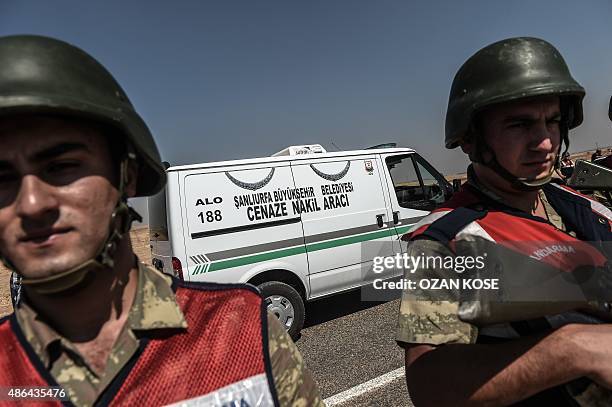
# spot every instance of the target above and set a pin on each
(236, 79)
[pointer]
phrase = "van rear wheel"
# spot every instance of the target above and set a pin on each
(286, 303)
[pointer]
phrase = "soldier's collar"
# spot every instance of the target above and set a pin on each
(473, 181)
(155, 305)
(36, 331)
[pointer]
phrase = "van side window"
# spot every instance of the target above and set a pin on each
(414, 184)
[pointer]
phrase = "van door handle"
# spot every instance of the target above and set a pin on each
(396, 217)
(379, 220)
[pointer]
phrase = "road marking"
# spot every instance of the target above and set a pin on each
(363, 388)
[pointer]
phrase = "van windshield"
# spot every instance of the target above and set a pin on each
(158, 223)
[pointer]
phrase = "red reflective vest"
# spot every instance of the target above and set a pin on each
(220, 359)
(521, 232)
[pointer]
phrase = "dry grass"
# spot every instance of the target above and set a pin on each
(140, 243)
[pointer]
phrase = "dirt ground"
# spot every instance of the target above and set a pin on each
(140, 243)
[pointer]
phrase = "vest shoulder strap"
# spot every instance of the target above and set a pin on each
(446, 228)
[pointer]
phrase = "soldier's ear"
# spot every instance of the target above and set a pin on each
(466, 147)
(473, 141)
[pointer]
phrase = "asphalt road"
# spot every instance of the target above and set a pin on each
(350, 348)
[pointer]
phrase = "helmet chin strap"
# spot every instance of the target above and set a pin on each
(519, 184)
(120, 224)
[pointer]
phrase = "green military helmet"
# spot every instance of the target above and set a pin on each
(508, 70)
(44, 75)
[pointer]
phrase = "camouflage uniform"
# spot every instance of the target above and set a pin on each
(154, 307)
(436, 322)
(294, 383)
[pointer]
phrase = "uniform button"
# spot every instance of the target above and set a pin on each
(602, 221)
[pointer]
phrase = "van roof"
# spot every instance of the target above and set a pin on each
(291, 158)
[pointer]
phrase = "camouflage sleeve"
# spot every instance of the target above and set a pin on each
(432, 320)
(294, 383)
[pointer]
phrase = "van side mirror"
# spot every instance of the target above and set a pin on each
(610, 109)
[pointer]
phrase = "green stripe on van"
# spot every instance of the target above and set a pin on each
(277, 254)
(313, 247)
(256, 258)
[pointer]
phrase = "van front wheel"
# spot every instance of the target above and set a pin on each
(286, 303)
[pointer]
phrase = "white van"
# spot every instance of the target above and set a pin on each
(291, 224)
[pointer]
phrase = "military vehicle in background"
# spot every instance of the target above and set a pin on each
(595, 178)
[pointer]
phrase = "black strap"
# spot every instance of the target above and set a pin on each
(446, 228)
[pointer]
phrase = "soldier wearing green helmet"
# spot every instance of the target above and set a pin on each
(503, 72)
(510, 109)
(93, 321)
